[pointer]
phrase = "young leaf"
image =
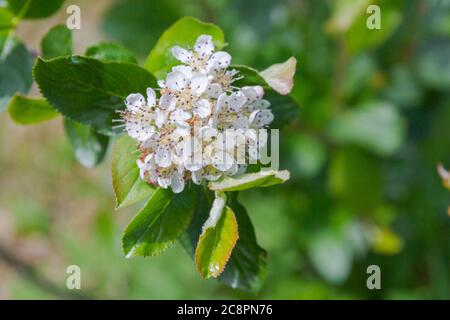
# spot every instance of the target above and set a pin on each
(280, 76)
(247, 268)
(184, 32)
(165, 216)
(89, 146)
(57, 42)
(216, 243)
(35, 9)
(107, 51)
(25, 110)
(263, 178)
(88, 90)
(128, 187)
(15, 71)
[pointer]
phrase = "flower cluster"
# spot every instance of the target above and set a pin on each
(190, 131)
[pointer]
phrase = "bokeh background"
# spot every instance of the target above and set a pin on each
(371, 125)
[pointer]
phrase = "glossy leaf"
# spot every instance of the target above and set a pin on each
(89, 146)
(107, 51)
(264, 178)
(128, 187)
(246, 268)
(90, 91)
(165, 216)
(57, 42)
(15, 71)
(36, 8)
(184, 32)
(26, 110)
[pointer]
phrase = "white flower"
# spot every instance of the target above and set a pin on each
(197, 92)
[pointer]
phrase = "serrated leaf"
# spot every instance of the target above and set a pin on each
(25, 110)
(128, 187)
(57, 42)
(15, 71)
(246, 268)
(107, 51)
(89, 146)
(184, 32)
(163, 219)
(263, 178)
(36, 9)
(216, 244)
(88, 90)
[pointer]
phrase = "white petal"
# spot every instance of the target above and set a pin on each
(151, 97)
(219, 60)
(135, 101)
(199, 84)
(222, 161)
(204, 45)
(253, 93)
(196, 176)
(261, 118)
(236, 100)
(164, 182)
(163, 157)
(176, 81)
(181, 54)
(177, 183)
(223, 98)
(187, 71)
(161, 84)
(214, 90)
(202, 108)
(167, 102)
(180, 115)
(160, 118)
(261, 104)
(242, 123)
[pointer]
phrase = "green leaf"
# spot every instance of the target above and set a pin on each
(35, 9)
(128, 187)
(57, 42)
(246, 270)
(263, 178)
(6, 22)
(15, 71)
(250, 77)
(107, 51)
(376, 126)
(145, 20)
(184, 32)
(433, 65)
(25, 110)
(165, 216)
(216, 244)
(90, 91)
(89, 146)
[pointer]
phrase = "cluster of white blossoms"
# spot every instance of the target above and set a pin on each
(194, 129)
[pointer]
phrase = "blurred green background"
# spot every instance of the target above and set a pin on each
(372, 123)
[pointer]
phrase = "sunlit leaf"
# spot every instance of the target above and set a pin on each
(184, 32)
(264, 178)
(165, 216)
